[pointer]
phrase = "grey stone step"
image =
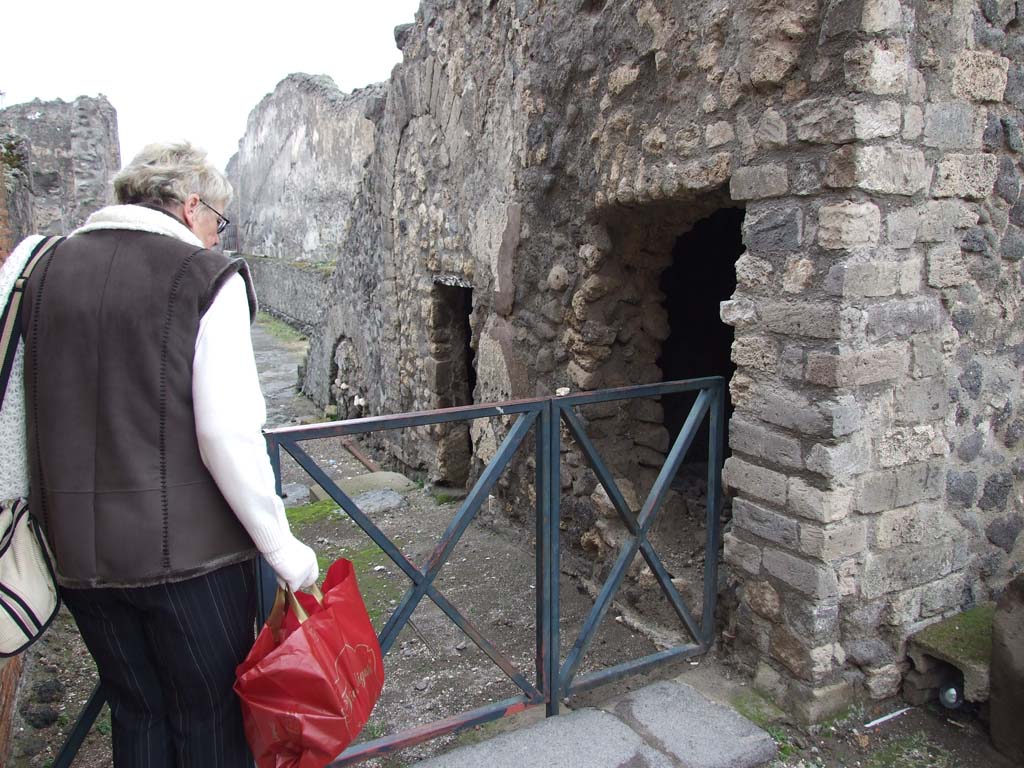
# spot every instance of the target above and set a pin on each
(664, 724)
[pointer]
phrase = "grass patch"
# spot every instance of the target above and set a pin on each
(910, 752)
(447, 498)
(311, 513)
(103, 722)
(786, 747)
(377, 587)
(756, 708)
(278, 328)
(966, 636)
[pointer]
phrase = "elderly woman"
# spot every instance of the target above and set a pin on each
(147, 466)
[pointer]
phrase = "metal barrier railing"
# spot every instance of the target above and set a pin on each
(553, 678)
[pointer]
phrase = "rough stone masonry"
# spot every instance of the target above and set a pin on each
(512, 205)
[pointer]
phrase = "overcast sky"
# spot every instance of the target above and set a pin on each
(191, 70)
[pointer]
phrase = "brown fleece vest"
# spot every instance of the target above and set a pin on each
(111, 319)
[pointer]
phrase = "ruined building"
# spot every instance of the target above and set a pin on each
(820, 200)
(74, 156)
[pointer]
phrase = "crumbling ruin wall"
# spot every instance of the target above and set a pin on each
(74, 156)
(554, 160)
(298, 167)
(15, 192)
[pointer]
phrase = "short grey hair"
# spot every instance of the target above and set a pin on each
(168, 173)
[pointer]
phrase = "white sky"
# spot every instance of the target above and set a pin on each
(191, 70)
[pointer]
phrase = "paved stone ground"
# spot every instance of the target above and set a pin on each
(668, 723)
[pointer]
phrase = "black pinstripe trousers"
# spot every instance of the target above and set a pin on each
(166, 656)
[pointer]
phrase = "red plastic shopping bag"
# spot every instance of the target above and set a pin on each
(309, 683)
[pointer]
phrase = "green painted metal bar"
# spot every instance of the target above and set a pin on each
(406, 420)
(716, 452)
(632, 667)
(553, 658)
(407, 738)
(669, 589)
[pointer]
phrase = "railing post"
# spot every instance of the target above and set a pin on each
(553, 492)
(716, 415)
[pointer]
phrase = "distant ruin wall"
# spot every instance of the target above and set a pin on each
(550, 159)
(15, 192)
(297, 292)
(74, 155)
(298, 167)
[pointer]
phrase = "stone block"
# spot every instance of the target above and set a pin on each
(765, 523)
(739, 312)
(980, 75)
(946, 266)
(906, 525)
(905, 567)
(868, 279)
(878, 67)
(752, 272)
(762, 599)
(718, 133)
(798, 276)
(771, 130)
(848, 225)
(961, 488)
(854, 369)
(768, 230)
(814, 704)
(833, 542)
(881, 16)
(876, 120)
(791, 411)
(901, 227)
(824, 506)
(820, 321)
(953, 125)
(808, 578)
(919, 482)
(841, 461)
(939, 219)
(753, 480)
(758, 352)
(742, 554)
(876, 492)
(824, 121)
(878, 168)
(903, 318)
(883, 682)
(971, 176)
(944, 595)
(922, 400)
(808, 663)
(759, 181)
(913, 122)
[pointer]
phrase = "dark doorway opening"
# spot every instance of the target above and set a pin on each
(701, 276)
(452, 376)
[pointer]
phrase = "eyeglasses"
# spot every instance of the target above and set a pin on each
(222, 220)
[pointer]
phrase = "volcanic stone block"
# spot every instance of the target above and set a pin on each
(980, 75)
(848, 225)
(971, 176)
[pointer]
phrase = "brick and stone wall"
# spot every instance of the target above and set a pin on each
(296, 291)
(552, 160)
(74, 154)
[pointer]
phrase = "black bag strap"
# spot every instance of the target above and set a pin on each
(10, 321)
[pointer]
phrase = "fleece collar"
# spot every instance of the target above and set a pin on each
(139, 218)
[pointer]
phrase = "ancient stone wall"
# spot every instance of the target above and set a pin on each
(296, 291)
(577, 167)
(74, 156)
(15, 192)
(298, 167)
